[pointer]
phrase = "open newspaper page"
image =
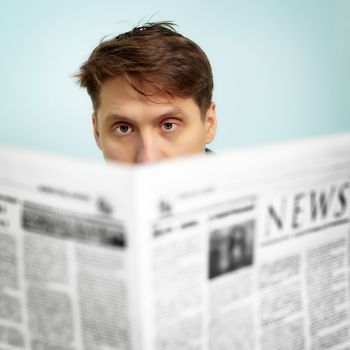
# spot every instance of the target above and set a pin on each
(67, 266)
(248, 250)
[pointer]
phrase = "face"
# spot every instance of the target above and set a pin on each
(132, 128)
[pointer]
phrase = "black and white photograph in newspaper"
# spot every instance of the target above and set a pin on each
(231, 248)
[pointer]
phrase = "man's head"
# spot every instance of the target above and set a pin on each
(151, 90)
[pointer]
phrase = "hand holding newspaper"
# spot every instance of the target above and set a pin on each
(241, 250)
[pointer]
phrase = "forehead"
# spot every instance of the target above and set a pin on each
(117, 96)
(122, 89)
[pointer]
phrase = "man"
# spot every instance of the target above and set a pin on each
(151, 90)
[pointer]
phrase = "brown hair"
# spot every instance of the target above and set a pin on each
(152, 55)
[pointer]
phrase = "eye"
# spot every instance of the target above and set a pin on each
(169, 126)
(123, 129)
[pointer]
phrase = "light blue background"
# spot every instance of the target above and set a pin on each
(281, 68)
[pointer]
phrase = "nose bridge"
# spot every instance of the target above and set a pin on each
(148, 148)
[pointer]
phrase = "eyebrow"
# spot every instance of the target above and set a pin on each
(173, 111)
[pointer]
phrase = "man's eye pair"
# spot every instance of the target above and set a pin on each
(127, 129)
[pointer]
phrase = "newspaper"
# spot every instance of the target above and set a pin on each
(240, 250)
